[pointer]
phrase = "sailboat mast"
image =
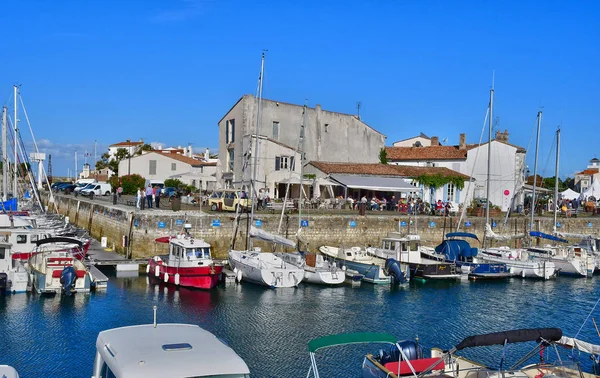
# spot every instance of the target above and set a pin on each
(556, 177)
(4, 155)
(537, 144)
(302, 130)
(255, 158)
(489, 161)
(16, 137)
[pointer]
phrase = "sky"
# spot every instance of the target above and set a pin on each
(167, 71)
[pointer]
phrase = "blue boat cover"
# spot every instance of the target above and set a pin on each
(461, 235)
(537, 234)
(455, 249)
(9, 205)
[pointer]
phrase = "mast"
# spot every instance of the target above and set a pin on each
(537, 144)
(556, 178)
(16, 137)
(489, 161)
(258, 119)
(4, 156)
(301, 145)
(75, 175)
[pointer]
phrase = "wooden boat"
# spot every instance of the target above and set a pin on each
(189, 263)
(165, 350)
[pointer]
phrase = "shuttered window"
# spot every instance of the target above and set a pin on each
(152, 167)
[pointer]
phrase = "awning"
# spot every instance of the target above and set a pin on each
(377, 183)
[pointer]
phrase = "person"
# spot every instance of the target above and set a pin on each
(439, 207)
(267, 197)
(139, 198)
(383, 204)
(157, 196)
(261, 200)
(447, 209)
(149, 196)
(120, 191)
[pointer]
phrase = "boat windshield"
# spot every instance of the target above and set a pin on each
(199, 253)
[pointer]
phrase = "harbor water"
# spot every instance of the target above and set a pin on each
(270, 329)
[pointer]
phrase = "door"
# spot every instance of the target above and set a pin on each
(228, 199)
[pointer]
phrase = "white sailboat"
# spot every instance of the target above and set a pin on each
(317, 270)
(519, 263)
(253, 265)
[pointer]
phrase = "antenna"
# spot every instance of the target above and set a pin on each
(358, 108)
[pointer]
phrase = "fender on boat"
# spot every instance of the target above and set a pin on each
(176, 278)
(392, 269)
(157, 271)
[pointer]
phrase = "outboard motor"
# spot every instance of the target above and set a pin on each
(392, 269)
(67, 280)
(3, 282)
(411, 349)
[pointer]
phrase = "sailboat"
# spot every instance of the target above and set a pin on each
(317, 270)
(253, 265)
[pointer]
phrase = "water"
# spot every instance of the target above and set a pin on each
(270, 329)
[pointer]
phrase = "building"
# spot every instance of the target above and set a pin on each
(100, 175)
(420, 140)
(329, 136)
(585, 178)
(375, 179)
(507, 166)
(129, 146)
(153, 165)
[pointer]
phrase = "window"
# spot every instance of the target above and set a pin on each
(194, 183)
(450, 192)
(2, 253)
(173, 166)
(275, 130)
(34, 238)
(21, 239)
(284, 162)
(152, 167)
(230, 131)
(231, 160)
(326, 127)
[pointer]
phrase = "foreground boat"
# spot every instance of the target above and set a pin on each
(8, 372)
(165, 350)
(188, 264)
(358, 260)
(14, 277)
(408, 358)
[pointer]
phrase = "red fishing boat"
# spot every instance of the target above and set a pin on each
(189, 263)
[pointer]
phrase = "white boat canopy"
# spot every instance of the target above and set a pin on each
(377, 183)
(580, 345)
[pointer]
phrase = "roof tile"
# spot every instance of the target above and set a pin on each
(377, 169)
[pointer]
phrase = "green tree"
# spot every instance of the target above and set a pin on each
(142, 148)
(103, 162)
(383, 156)
(174, 183)
(549, 183)
(569, 183)
(113, 164)
(129, 183)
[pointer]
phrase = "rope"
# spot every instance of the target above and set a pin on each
(586, 319)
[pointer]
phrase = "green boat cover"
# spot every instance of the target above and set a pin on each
(349, 338)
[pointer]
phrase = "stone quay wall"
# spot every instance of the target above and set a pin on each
(141, 228)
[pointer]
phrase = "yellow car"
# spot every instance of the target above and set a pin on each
(229, 200)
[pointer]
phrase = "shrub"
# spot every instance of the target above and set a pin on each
(130, 183)
(174, 183)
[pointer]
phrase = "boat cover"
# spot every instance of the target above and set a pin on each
(461, 235)
(455, 248)
(59, 239)
(580, 345)
(258, 233)
(349, 338)
(515, 336)
(537, 234)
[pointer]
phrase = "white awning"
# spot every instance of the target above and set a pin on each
(378, 183)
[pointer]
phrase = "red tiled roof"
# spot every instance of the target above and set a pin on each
(425, 153)
(185, 159)
(377, 169)
(589, 171)
(126, 144)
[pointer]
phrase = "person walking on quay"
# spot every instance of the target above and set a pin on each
(157, 196)
(120, 191)
(149, 196)
(139, 198)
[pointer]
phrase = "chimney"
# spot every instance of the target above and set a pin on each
(206, 154)
(462, 142)
(506, 136)
(435, 141)
(189, 150)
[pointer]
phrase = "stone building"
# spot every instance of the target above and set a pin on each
(507, 167)
(329, 136)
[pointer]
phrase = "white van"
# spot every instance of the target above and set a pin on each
(99, 189)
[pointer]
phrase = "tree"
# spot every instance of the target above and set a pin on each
(383, 156)
(569, 183)
(142, 148)
(103, 162)
(129, 183)
(174, 183)
(113, 164)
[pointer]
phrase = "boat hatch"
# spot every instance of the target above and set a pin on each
(178, 346)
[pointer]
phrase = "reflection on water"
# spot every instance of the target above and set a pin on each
(270, 329)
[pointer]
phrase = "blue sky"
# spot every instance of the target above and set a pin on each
(167, 71)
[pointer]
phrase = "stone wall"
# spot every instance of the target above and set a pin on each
(114, 222)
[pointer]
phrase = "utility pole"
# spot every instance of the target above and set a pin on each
(358, 109)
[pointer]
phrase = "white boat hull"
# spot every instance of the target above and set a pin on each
(264, 268)
(527, 269)
(323, 276)
(571, 267)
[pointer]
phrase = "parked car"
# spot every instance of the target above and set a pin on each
(82, 186)
(67, 188)
(57, 186)
(229, 200)
(98, 189)
(169, 192)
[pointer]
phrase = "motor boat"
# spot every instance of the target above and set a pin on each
(14, 277)
(58, 272)
(189, 263)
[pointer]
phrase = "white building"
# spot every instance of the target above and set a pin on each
(585, 178)
(329, 136)
(160, 166)
(129, 146)
(507, 167)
